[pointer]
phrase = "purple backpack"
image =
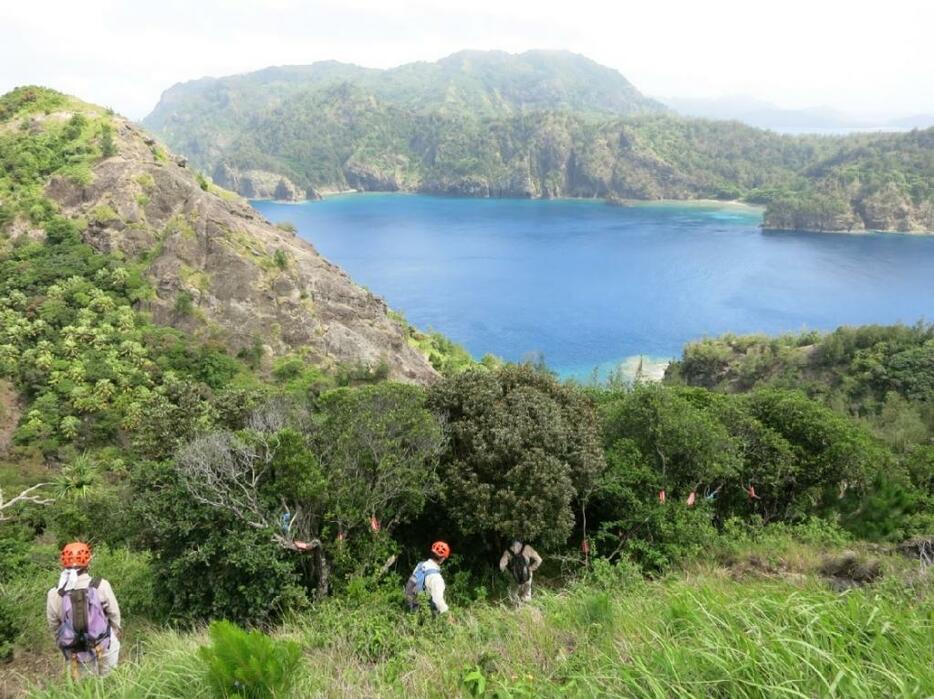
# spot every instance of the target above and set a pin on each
(85, 629)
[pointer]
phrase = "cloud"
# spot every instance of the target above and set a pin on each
(865, 57)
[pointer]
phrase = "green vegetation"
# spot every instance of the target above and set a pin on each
(609, 633)
(249, 664)
(48, 140)
(298, 501)
(281, 259)
(363, 475)
(882, 182)
(540, 124)
(883, 375)
(108, 148)
(522, 454)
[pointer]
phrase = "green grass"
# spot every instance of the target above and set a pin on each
(702, 635)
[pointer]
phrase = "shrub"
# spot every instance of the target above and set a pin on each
(288, 368)
(248, 664)
(210, 564)
(108, 148)
(280, 259)
(131, 576)
(523, 448)
(9, 629)
(184, 304)
(104, 214)
(605, 575)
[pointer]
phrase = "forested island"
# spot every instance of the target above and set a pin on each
(538, 124)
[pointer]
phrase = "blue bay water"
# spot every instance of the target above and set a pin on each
(586, 285)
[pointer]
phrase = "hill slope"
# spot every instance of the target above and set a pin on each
(874, 182)
(216, 268)
(486, 83)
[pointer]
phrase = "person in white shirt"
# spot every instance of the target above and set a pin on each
(427, 577)
(87, 634)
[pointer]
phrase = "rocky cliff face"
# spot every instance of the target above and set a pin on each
(221, 271)
(886, 210)
(878, 182)
(261, 184)
(10, 411)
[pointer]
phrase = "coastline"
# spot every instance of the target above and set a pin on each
(720, 203)
(860, 232)
(734, 204)
(647, 367)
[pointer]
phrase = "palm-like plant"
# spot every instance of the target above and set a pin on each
(77, 479)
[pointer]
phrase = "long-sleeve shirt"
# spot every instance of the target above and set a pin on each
(53, 604)
(531, 557)
(434, 585)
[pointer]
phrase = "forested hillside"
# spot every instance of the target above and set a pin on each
(539, 124)
(879, 182)
(198, 117)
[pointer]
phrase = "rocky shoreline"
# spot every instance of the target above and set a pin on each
(260, 184)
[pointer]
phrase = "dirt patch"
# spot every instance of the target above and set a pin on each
(10, 412)
(755, 567)
(849, 569)
(28, 672)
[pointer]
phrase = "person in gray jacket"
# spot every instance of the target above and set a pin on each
(522, 560)
(83, 615)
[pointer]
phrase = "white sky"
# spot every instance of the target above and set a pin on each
(859, 56)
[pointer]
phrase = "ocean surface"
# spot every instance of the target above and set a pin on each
(588, 286)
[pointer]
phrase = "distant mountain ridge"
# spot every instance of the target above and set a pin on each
(490, 83)
(765, 115)
(538, 124)
(200, 116)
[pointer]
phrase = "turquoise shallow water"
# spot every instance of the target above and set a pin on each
(585, 284)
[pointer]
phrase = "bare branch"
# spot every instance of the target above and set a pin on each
(220, 470)
(25, 496)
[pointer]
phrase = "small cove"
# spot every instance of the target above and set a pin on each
(587, 285)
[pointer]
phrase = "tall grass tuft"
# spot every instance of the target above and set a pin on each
(249, 664)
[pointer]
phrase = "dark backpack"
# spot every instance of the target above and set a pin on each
(519, 566)
(84, 628)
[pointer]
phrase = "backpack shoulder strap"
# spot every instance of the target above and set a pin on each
(95, 582)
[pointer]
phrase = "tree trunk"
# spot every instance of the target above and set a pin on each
(324, 573)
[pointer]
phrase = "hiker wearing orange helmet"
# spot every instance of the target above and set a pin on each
(427, 577)
(84, 615)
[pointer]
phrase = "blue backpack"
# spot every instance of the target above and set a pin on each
(416, 583)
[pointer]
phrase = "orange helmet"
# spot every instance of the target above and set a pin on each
(77, 554)
(441, 549)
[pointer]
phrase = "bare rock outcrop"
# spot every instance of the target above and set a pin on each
(242, 281)
(260, 184)
(10, 411)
